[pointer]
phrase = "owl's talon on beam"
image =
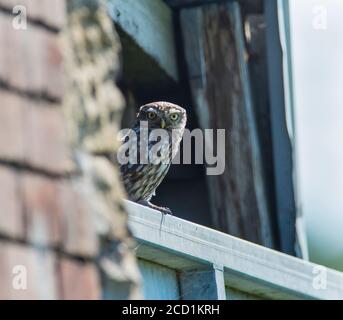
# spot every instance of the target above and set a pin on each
(153, 206)
(166, 211)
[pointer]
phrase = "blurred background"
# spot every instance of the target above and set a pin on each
(73, 73)
(317, 75)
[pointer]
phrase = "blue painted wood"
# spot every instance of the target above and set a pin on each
(233, 294)
(140, 20)
(182, 245)
(113, 290)
(159, 282)
(203, 284)
(283, 165)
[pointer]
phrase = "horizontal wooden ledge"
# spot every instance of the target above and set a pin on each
(183, 245)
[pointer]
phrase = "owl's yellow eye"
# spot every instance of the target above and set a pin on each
(151, 115)
(174, 116)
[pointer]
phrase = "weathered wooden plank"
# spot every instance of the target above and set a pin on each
(219, 80)
(159, 282)
(233, 294)
(150, 24)
(248, 267)
(203, 284)
(282, 149)
(255, 31)
(301, 246)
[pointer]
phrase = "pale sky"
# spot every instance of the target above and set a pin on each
(317, 43)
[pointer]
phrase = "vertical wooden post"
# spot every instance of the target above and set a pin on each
(282, 149)
(203, 284)
(219, 81)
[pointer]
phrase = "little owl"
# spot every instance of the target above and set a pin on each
(141, 178)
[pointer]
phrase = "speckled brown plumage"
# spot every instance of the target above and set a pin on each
(142, 179)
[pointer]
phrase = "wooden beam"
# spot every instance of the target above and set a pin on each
(255, 31)
(150, 24)
(282, 149)
(219, 80)
(203, 284)
(248, 268)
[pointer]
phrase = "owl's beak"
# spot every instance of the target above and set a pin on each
(163, 124)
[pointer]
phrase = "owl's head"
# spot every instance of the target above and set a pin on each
(163, 115)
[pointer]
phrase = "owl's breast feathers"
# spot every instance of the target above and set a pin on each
(141, 179)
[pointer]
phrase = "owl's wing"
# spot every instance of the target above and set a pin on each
(129, 168)
(132, 171)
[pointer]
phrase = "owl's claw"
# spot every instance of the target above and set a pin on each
(165, 210)
(153, 206)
